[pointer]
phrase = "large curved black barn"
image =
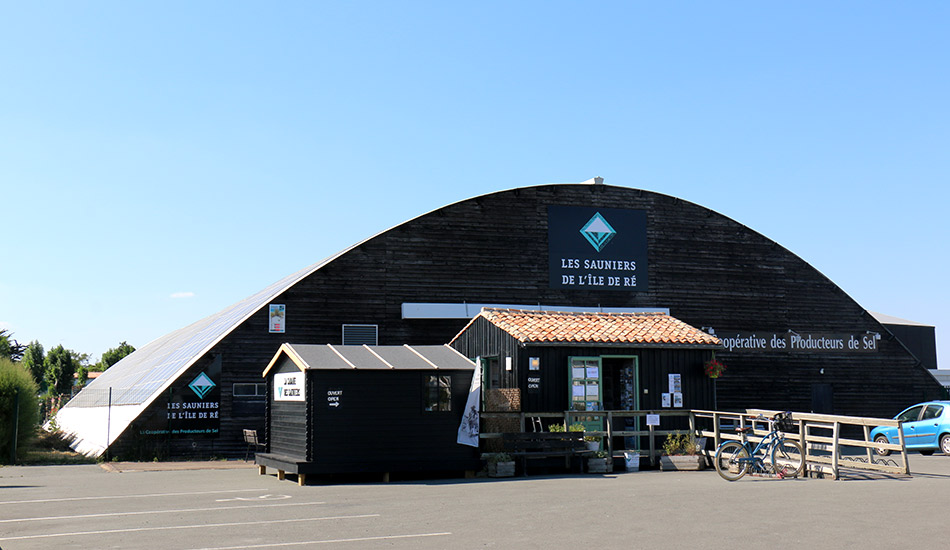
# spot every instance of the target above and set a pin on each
(792, 338)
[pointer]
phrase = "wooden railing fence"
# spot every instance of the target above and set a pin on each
(827, 451)
(826, 448)
(652, 450)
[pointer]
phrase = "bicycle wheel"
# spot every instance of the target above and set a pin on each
(732, 460)
(788, 460)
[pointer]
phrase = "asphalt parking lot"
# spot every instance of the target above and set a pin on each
(61, 507)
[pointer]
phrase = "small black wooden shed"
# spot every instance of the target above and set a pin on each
(366, 409)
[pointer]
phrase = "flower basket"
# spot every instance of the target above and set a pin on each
(714, 368)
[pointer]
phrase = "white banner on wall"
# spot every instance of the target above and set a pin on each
(469, 426)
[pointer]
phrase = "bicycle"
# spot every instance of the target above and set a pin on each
(735, 459)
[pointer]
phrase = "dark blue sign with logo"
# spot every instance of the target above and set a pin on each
(193, 408)
(597, 248)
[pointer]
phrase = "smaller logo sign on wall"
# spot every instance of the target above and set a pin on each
(598, 232)
(290, 387)
(597, 248)
(278, 316)
(193, 407)
(201, 385)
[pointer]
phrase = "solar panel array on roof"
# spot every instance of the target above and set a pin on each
(150, 369)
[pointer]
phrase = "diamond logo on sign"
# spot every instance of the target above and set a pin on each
(201, 385)
(598, 232)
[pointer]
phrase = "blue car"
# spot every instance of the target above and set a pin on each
(926, 429)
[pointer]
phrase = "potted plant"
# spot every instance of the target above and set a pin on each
(501, 465)
(681, 452)
(593, 443)
(600, 463)
(714, 368)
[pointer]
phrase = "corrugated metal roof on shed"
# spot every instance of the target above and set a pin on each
(330, 357)
(402, 357)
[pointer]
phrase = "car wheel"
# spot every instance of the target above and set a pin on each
(927, 452)
(881, 451)
(945, 444)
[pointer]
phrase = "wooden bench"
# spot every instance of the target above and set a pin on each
(284, 465)
(545, 445)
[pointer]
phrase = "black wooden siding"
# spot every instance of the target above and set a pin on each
(381, 424)
(707, 269)
(289, 430)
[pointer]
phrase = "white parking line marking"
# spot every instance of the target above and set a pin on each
(107, 497)
(172, 511)
(177, 527)
(252, 499)
(330, 541)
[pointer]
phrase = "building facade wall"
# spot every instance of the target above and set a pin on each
(705, 268)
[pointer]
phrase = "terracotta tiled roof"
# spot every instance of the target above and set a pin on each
(614, 328)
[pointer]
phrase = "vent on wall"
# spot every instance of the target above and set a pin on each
(358, 335)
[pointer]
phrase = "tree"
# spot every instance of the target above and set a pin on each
(16, 386)
(10, 348)
(82, 375)
(79, 359)
(113, 356)
(59, 370)
(33, 361)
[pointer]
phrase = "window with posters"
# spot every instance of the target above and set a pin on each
(585, 390)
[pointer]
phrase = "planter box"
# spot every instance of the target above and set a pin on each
(501, 469)
(600, 465)
(682, 462)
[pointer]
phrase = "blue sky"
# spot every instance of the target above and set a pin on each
(160, 161)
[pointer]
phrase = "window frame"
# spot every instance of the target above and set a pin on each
(260, 391)
(441, 399)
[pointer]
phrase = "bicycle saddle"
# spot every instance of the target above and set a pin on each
(743, 430)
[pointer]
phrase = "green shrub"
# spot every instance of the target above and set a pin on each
(13, 379)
